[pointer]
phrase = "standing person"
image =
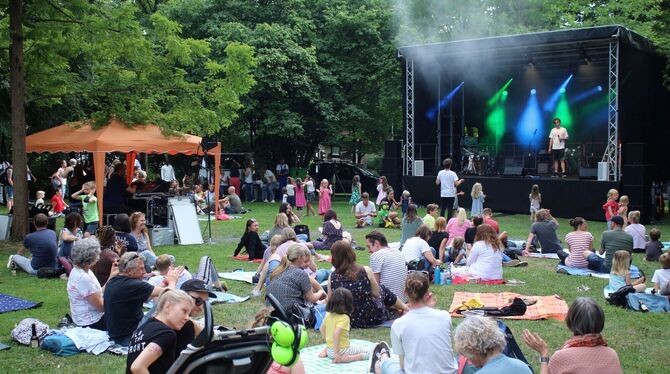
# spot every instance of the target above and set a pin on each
(387, 265)
(557, 137)
(416, 335)
(310, 196)
(116, 191)
(42, 247)
(448, 181)
(611, 206)
(535, 198)
(478, 197)
(90, 207)
(58, 204)
(270, 185)
(623, 209)
(153, 347)
(282, 173)
(9, 188)
(586, 351)
(234, 179)
(299, 196)
(580, 243)
(167, 172)
(290, 191)
(382, 189)
(325, 190)
(355, 192)
(249, 182)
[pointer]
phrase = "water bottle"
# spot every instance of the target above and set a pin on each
(437, 273)
(449, 274)
(643, 307)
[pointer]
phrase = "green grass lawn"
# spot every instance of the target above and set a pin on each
(641, 340)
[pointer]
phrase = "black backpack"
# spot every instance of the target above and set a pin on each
(618, 297)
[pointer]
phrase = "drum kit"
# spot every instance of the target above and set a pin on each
(476, 163)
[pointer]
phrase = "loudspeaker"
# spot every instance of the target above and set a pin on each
(588, 173)
(634, 153)
(513, 171)
(418, 168)
(542, 168)
(636, 174)
(208, 143)
(392, 149)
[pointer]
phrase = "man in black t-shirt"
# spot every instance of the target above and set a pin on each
(125, 294)
(116, 191)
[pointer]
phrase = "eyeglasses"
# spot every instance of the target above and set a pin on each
(198, 300)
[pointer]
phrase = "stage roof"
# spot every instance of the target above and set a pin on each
(551, 48)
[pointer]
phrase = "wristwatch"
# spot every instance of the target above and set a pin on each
(544, 359)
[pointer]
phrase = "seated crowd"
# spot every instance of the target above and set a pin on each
(113, 271)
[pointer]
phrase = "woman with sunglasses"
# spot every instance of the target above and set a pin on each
(152, 347)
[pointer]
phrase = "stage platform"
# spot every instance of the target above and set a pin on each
(566, 198)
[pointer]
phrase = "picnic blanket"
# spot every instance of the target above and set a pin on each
(564, 269)
(246, 258)
(315, 364)
(547, 307)
(243, 276)
(227, 298)
(10, 303)
(552, 256)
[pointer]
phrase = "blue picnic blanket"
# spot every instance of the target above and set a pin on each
(560, 268)
(655, 303)
(10, 303)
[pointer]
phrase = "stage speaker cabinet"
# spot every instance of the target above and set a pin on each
(516, 171)
(162, 236)
(391, 166)
(635, 174)
(588, 173)
(603, 171)
(418, 168)
(542, 168)
(393, 149)
(634, 153)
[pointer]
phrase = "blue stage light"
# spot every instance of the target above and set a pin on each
(562, 90)
(586, 94)
(551, 103)
(530, 128)
(600, 88)
(533, 91)
(432, 112)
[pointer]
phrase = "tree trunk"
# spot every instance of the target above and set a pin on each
(18, 121)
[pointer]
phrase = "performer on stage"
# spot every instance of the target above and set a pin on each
(557, 138)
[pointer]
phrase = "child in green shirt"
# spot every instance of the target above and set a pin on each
(90, 207)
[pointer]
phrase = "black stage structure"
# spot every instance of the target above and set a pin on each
(445, 90)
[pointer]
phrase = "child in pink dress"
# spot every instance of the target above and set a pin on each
(325, 190)
(299, 196)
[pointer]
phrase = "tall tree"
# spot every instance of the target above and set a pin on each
(115, 60)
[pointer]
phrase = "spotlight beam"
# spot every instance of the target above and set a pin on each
(432, 112)
(550, 104)
(494, 99)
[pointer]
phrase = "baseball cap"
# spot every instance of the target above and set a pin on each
(618, 220)
(197, 285)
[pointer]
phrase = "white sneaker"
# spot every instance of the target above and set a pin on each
(10, 262)
(265, 201)
(272, 201)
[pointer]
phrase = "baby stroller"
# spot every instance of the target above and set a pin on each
(219, 350)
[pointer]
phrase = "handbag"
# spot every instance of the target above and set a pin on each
(304, 314)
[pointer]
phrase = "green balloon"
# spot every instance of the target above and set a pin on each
(282, 355)
(282, 333)
(304, 337)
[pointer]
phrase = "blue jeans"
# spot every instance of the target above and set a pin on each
(322, 275)
(269, 190)
(424, 264)
(248, 191)
(506, 258)
(597, 263)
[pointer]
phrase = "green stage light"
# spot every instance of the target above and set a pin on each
(563, 112)
(495, 123)
(562, 90)
(494, 99)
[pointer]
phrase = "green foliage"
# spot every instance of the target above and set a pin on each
(117, 62)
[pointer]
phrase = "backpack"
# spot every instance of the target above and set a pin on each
(60, 345)
(23, 331)
(618, 297)
(4, 166)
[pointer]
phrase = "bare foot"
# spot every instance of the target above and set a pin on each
(323, 353)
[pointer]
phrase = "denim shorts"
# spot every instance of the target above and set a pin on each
(9, 190)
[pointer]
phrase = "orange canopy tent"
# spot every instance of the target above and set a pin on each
(118, 137)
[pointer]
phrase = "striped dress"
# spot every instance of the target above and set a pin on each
(579, 241)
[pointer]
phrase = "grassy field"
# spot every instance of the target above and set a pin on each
(641, 340)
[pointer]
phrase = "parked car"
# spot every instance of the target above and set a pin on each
(340, 174)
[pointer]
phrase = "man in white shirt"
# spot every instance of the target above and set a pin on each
(167, 172)
(448, 181)
(388, 265)
(365, 211)
(557, 137)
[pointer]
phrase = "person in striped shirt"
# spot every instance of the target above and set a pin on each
(580, 243)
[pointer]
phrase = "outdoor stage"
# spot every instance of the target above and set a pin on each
(488, 104)
(564, 197)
